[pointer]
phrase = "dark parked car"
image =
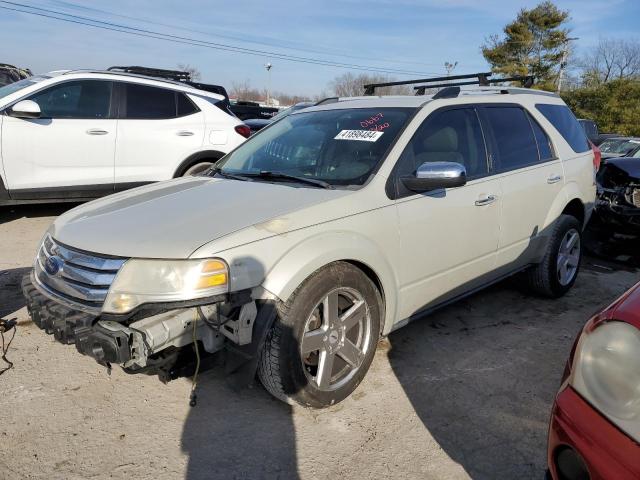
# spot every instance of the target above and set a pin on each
(618, 198)
(595, 423)
(10, 74)
(619, 146)
(257, 124)
(245, 110)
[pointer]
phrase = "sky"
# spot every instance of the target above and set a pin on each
(404, 38)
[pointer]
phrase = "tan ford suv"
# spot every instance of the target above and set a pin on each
(325, 231)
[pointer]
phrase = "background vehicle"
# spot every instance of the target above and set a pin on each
(245, 110)
(619, 146)
(595, 422)
(386, 194)
(257, 124)
(618, 204)
(590, 128)
(10, 74)
(77, 135)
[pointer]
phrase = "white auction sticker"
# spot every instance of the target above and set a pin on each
(360, 135)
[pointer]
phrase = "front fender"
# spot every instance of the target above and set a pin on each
(316, 252)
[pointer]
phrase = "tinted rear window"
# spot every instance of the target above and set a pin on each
(150, 103)
(513, 136)
(567, 125)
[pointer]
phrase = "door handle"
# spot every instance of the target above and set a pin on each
(554, 179)
(488, 200)
(184, 133)
(96, 131)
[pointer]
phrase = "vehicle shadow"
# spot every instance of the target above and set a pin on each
(13, 212)
(482, 373)
(11, 298)
(238, 433)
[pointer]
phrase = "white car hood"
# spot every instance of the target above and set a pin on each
(172, 219)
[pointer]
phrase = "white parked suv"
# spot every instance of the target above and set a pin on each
(319, 235)
(77, 135)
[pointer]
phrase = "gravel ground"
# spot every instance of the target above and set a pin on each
(463, 393)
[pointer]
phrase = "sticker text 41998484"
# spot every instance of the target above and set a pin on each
(359, 135)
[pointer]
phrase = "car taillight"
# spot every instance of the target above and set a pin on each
(597, 157)
(243, 130)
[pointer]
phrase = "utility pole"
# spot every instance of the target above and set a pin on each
(448, 66)
(268, 67)
(563, 62)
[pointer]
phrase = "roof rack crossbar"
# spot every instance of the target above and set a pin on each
(526, 80)
(482, 79)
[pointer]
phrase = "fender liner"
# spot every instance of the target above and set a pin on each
(195, 158)
(241, 362)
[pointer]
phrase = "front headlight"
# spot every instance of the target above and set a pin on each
(606, 372)
(153, 281)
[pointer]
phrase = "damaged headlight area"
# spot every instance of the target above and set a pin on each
(162, 281)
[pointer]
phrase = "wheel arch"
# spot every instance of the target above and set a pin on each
(313, 254)
(212, 155)
(568, 201)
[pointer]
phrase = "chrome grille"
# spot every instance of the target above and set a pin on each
(77, 276)
(635, 197)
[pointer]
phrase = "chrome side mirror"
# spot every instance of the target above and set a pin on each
(25, 109)
(435, 175)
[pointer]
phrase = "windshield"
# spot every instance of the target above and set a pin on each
(19, 85)
(619, 146)
(339, 147)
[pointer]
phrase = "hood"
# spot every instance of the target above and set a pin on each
(626, 165)
(172, 219)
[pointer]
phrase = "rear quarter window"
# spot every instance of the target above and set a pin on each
(567, 125)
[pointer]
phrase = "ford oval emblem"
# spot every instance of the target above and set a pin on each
(53, 265)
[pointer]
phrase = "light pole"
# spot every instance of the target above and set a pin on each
(448, 66)
(268, 67)
(563, 62)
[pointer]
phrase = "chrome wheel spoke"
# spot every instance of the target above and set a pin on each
(325, 369)
(330, 309)
(312, 341)
(350, 353)
(568, 257)
(353, 316)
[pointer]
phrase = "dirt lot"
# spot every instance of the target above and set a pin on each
(463, 393)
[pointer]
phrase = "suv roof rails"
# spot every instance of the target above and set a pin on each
(172, 75)
(481, 78)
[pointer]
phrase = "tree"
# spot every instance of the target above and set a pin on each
(350, 85)
(533, 44)
(611, 59)
(615, 105)
(193, 71)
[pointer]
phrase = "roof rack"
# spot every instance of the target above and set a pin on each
(481, 79)
(175, 75)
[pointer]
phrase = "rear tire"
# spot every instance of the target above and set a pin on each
(197, 169)
(324, 339)
(556, 274)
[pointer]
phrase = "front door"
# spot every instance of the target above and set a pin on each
(448, 237)
(68, 151)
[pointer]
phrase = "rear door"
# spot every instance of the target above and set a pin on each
(68, 151)
(157, 129)
(531, 177)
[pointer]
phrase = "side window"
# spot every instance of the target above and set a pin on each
(515, 143)
(185, 105)
(545, 149)
(82, 99)
(567, 125)
(142, 102)
(447, 136)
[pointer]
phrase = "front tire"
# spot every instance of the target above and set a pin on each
(324, 339)
(556, 274)
(197, 169)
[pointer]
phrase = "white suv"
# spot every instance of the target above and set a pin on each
(76, 135)
(327, 230)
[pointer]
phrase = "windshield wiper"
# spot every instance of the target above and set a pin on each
(266, 174)
(218, 171)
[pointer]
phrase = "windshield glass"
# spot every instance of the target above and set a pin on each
(621, 146)
(19, 85)
(340, 147)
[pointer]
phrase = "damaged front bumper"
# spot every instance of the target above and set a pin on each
(151, 342)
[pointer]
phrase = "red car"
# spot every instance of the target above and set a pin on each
(595, 423)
